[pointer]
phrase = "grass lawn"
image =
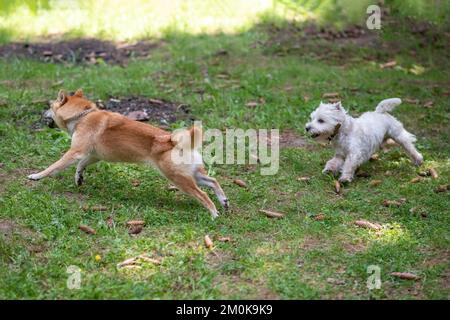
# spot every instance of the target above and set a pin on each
(297, 257)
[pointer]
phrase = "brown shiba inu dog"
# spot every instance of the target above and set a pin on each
(102, 135)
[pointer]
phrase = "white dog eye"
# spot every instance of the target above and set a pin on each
(320, 121)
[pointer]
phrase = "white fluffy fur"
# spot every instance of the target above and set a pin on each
(357, 139)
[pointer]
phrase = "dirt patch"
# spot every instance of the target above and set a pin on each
(157, 111)
(230, 285)
(146, 109)
(290, 139)
(344, 46)
(14, 234)
(80, 51)
(314, 40)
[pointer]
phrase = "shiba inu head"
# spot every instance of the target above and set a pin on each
(67, 108)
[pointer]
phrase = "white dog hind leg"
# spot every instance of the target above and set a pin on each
(406, 140)
(334, 165)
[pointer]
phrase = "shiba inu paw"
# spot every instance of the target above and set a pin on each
(79, 179)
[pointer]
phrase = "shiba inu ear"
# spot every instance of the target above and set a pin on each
(62, 97)
(78, 93)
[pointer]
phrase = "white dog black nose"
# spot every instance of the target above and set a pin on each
(307, 128)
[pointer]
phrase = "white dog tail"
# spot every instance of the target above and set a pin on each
(388, 105)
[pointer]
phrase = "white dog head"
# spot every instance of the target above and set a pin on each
(325, 121)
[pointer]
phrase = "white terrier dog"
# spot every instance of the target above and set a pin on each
(357, 139)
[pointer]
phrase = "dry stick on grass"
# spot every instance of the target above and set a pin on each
(208, 242)
(433, 173)
(368, 225)
(87, 229)
(272, 214)
(337, 187)
(240, 183)
(405, 275)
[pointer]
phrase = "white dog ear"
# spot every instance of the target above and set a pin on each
(338, 105)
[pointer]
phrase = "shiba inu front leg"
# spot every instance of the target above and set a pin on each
(189, 186)
(81, 167)
(69, 158)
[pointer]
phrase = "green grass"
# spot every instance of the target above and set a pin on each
(291, 258)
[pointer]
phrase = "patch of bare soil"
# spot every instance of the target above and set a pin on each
(146, 109)
(13, 233)
(331, 45)
(312, 39)
(160, 112)
(290, 139)
(80, 51)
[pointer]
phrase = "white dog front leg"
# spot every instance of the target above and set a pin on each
(351, 163)
(334, 165)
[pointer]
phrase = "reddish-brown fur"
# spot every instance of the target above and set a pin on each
(102, 135)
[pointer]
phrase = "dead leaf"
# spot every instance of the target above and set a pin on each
(138, 116)
(389, 64)
(428, 104)
(208, 242)
(424, 173)
(416, 179)
(136, 183)
(411, 101)
(135, 229)
(405, 275)
(87, 229)
(433, 173)
(393, 203)
(375, 183)
(319, 217)
(127, 262)
(362, 174)
(251, 104)
(135, 223)
(272, 214)
(47, 53)
(303, 179)
(306, 98)
(172, 188)
(110, 222)
(156, 101)
(240, 183)
(337, 187)
(98, 208)
(368, 225)
(375, 157)
(330, 95)
(335, 281)
(136, 260)
(443, 188)
(58, 83)
(224, 239)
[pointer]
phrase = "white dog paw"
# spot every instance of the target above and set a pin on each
(418, 160)
(345, 179)
(34, 176)
(330, 171)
